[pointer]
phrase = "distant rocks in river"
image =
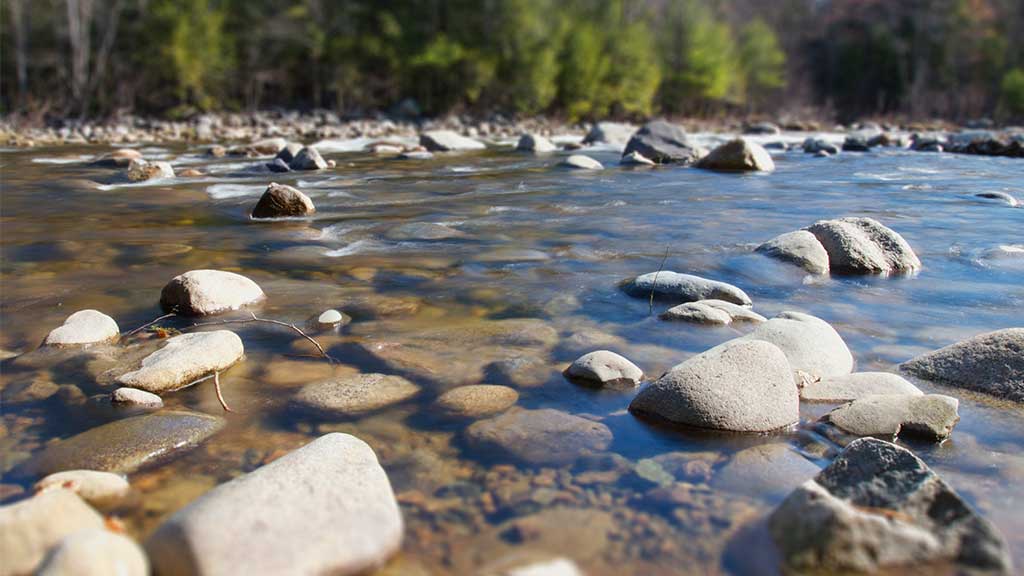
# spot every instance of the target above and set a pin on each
(738, 155)
(763, 128)
(535, 143)
(308, 158)
(845, 245)
(669, 285)
(878, 507)
(812, 346)
(612, 133)
(204, 292)
(140, 170)
(448, 141)
(119, 158)
(34, 526)
(931, 416)
(183, 359)
(817, 145)
(333, 488)
(83, 327)
(991, 363)
(540, 437)
(288, 153)
(280, 201)
(267, 146)
(664, 143)
(847, 387)
(604, 368)
(711, 312)
(355, 395)
(801, 248)
(581, 162)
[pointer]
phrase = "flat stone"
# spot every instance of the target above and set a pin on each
(126, 445)
(448, 141)
(849, 387)
(664, 143)
(878, 506)
(83, 327)
(355, 395)
(683, 287)
(535, 143)
(30, 528)
(801, 248)
(308, 159)
(991, 363)
(769, 470)
(864, 246)
(204, 292)
(636, 159)
(931, 416)
(738, 155)
(540, 437)
(101, 489)
(581, 162)
(280, 201)
(477, 400)
(136, 397)
(95, 552)
(738, 386)
(605, 368)
(811, 345)
(711, 312)
(333, 488)
(184, 359)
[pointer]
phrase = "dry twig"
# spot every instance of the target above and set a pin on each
(148, 324)
(216, 387)
(654, 285)
(254, 318)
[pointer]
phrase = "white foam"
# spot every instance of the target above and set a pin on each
(222, 191)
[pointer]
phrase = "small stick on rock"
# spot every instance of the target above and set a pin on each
(654, 285)
(148, 324)
(293, 327)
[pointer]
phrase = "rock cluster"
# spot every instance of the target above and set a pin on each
(846, 246)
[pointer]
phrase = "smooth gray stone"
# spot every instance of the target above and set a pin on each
(991, 363)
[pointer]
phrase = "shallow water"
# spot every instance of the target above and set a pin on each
(537, 242)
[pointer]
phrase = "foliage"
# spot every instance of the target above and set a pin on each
(1012, 93)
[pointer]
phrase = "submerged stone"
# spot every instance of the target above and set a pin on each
(477, 400)
(355, 395)
(540, 437)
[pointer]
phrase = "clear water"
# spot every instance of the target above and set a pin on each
(538, 242)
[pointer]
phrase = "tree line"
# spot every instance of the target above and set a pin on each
(577, 59)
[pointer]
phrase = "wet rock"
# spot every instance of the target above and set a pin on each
(29, 528)
(278, 165)
(581, 162)
(811, 345)
(683, 287)
(332, 487)
(448, 141)
(535, 143)
(289, 152)
(711, 312)
(124, 446)
(136, 397)
(29, 388)
(864, 246)
(605, 369)
(141, 170)
(817, 145)
(477, 400)
(636, 159)
(612, 133)
(664, 143)
(519, 371)
(216, 151)
(769, 470)
(331, 318)
(95, 552)
(101, 489)
(991, 363)
(540, 437)
(119, 158)
(738, 156)
(930, 416)
(739, 386)
(416, 155)
(878, 506)
(184, 359)
(801, 248)
(849, 387)
(280, 201)
(1003, 197)
(856, 143)
(355, 395)
(424, 231)
(308, 159)
(767, 128)
(203, 292)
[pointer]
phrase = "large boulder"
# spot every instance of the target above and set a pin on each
(991, 363)
(535, 143)
(738, 155)
(848, 387)
(95, 552)
(308, 159)
(604, 368)
(279, 201)
(711, 312)
(612, 133)
(203, 292)
(83, 327)
(666, 284)
(664, 143)
(813, 347)
(31, 527)
(448, 141)
(355, 395)
(326, 508)
(878, 506)
(864, 246)
(544, 437)
(184, 359)
(801, 248)
(931, 416)
(738, 386)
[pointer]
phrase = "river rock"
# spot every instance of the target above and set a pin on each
(29, 528)
(331, 318)
(308, 159)
(1002, 197)
(663, 143)
(636, 159)
(83, 327)
(683, 287)
(581, 162)
(554, 567)
(101, 489)
(277, 165)
(279, 201)
(864, 246)
(540, 437)
(124, 446)
(878, 506)
(203, 292)
(95, 552)
(535, 143)
(477, 400)
(448, 141)
(764, 128)
(711, 312)
(991, 363)
(739, 386)
(268, 145)
(931, 416)
(738, 155)
(847, 387)
(184, 359)
(141, 170)
(769, 470)
(817, 145)
(332, 488)
(119, 158)
(613, 133)
(812, 346)
(801, 248)
(604, 368)
(355, 395)
(136, 397)
(289, 152)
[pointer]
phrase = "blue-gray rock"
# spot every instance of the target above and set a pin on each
(683, 288)
(991, 363)
(664, 143)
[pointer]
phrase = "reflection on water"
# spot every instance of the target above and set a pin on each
(509, 236)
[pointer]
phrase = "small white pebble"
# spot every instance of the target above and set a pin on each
(136, 397)
(330, 317)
